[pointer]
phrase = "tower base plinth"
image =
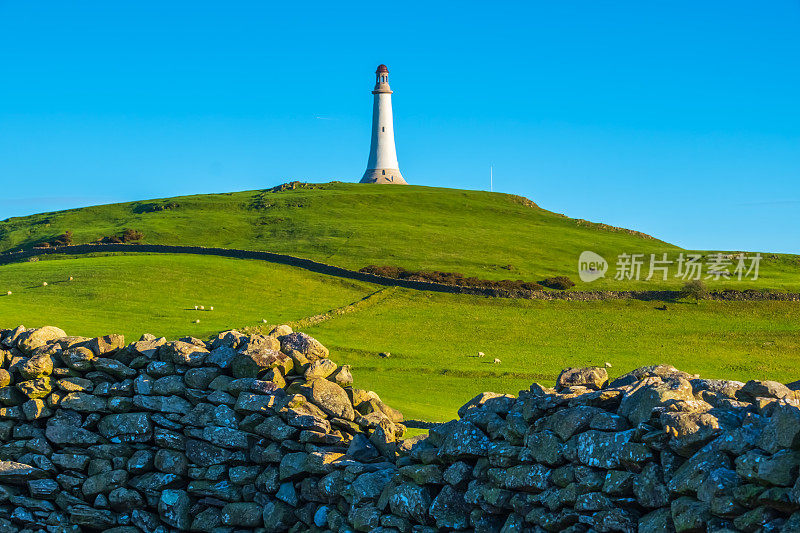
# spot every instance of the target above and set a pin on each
(383, 175)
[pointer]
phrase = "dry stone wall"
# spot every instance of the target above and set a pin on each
(266, 433)
(239, 432)
(330, 270)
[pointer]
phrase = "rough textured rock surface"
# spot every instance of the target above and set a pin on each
(265, 433)
(226, 435)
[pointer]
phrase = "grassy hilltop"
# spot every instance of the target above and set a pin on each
(434, 338)
(489, 235)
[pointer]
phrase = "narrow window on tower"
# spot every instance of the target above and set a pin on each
(383, 128)
(384, 172)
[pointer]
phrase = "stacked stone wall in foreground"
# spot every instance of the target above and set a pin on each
(266, 433)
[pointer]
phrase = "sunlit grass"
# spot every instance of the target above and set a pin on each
(433, 338)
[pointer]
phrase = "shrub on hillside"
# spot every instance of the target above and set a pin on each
(154, 207)
(449, 278)
(694, 290)
(129, 235)
(386, 271)
(561, 283)
(65, 239)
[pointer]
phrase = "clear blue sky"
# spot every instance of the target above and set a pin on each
(680, 119)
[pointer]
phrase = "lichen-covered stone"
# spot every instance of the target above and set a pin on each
(184, 353)
(36, 338)
(308, 346)
(593, 377)
(329, 397)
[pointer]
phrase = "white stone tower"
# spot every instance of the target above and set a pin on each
(382, 166)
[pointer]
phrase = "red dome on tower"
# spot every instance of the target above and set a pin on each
(381, 68)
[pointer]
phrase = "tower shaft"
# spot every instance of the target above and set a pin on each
(382, 166)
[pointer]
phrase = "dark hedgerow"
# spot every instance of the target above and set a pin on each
(129, 235)
(450, 278)
(561, 283)
(65, 239)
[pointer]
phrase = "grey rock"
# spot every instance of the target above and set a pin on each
(243, 514)
(83, 402)
(521, 477)
(184, 353)
(319, 369)
(782, 430)
(601, 449)
(123, 499)
(163, 404)
(18, 473)
(173, 508)
(36, 338)
(689, 514)
(410, 501)
(35, 388)
(638, 403)
(658, 521)
(250, 363)
(104, 482)
(106, 344)
(766, 389)
(168, 386)
(449, 509)
(114, 368)
(593, 377)
(36, 366)
(200, 378)
(221, 356)
(207, 520)
(329, 397)
(368, 486)
(226, 437)
(277, 516)
(649, 487)
(128, 427)
(308, 346)
(83, 515)
(465, 440)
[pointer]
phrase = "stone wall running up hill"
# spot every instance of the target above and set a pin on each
(266, 433)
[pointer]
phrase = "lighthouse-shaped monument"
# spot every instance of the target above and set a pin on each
(382, 166)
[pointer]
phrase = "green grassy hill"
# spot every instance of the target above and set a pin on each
(352, 225)
(489, 235)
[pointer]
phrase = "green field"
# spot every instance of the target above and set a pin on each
(489, 235)
(433, 338)
(156, 294)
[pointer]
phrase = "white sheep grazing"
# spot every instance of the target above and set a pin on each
(496, 361)
(608, 365)
(71, 278)
(197, 321)
(211, 308)
(202, 308)
(481, 354)
(264, 320)
(9, 293)
(195, 308)
(44, 284)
